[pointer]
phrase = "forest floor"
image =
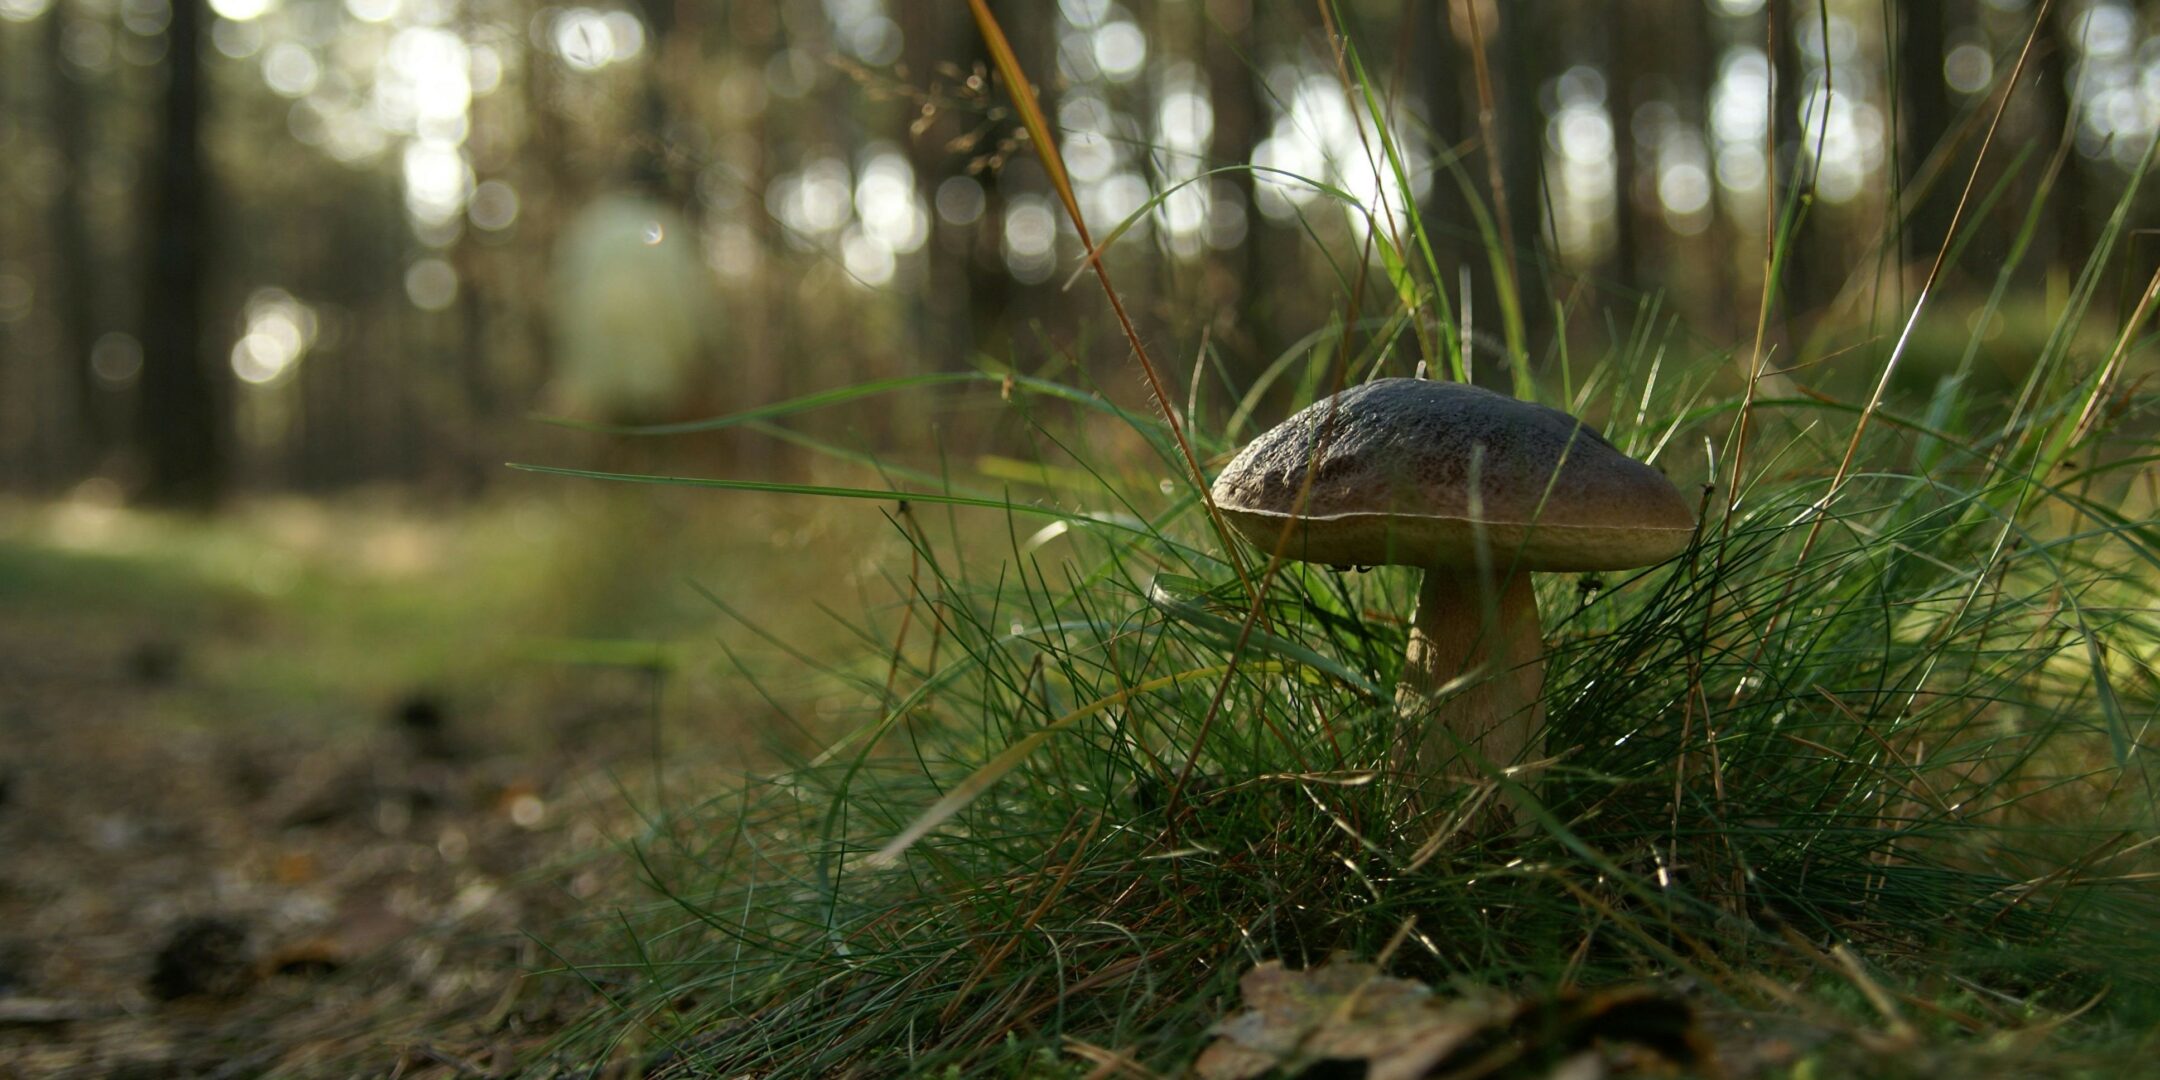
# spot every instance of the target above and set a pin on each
(301, 791)
(189, 899)
(311, 791)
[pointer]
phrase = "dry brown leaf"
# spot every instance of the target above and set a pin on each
(1348, 1014)
(1341, 1011)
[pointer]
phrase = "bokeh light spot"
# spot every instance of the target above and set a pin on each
(116, 359)
(279, 331)
(494, 206)
(290, 70)
(1120, 48)
(431, 284)
(960, 200)
(243, 10)
(1968, 68)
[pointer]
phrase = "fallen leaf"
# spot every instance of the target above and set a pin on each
(1347, 1018)
(1341, 1011)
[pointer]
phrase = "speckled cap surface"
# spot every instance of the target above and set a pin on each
(1394, 482)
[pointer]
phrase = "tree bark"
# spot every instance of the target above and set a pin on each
(938, 40)
(182, 419)
(74, 260)
(1508, 37)
(1924, 119)
(1522, 156)
(1625, 49)
(1790, 172)
(1262, 267)
(2080, 211)
(1446, 210)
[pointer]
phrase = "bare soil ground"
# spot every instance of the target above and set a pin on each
(308, 791)
(245, 896)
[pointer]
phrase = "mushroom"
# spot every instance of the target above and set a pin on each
(1479, 490)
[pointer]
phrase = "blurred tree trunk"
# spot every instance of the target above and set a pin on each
(1625, 43)
(656, 166)
(1794, 187)
(1446, 90)
(1691, 272)
(939, 47)
(1514, 50)
(552, 191)
(1261, 269)
(1523, 56)
(182, 421)
(1924, 116)
(477, 458)
(999, 303)
(74, 271)
(760, 332)
(2080, 211)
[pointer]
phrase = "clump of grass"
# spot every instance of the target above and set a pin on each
(1883, 726)
(1924, 741)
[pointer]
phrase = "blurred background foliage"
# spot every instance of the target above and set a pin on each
(256, 246)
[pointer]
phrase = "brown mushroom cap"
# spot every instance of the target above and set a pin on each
(1393, 484)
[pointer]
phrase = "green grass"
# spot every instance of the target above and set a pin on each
(339, 607)
(1926, 740)
(1873, 753)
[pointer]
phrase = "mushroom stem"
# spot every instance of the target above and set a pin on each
(1498, 713)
